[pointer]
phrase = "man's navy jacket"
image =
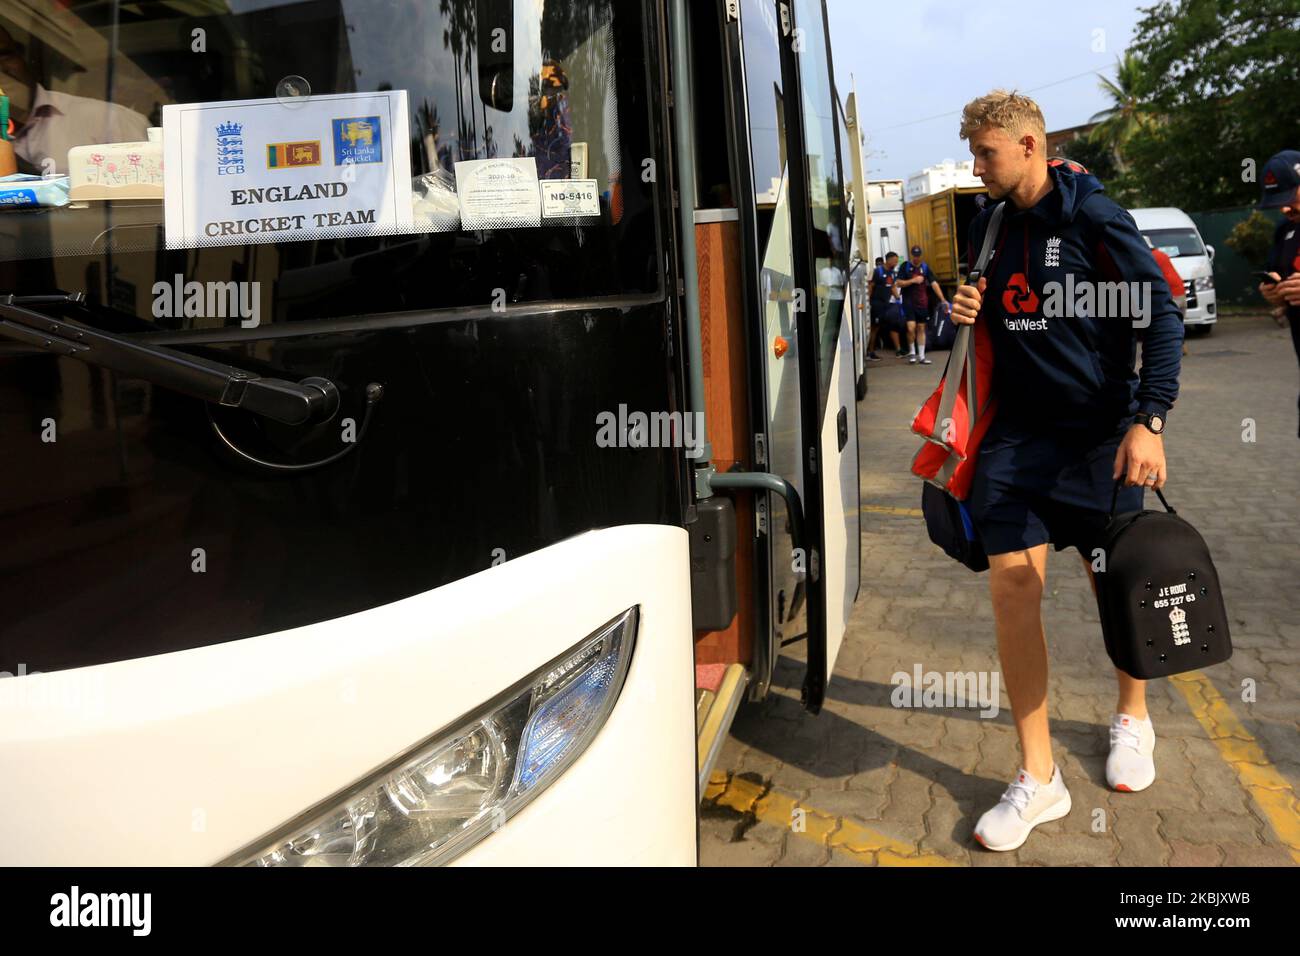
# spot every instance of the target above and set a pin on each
(1075, 370)
(1284, 257)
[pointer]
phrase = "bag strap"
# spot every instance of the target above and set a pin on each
(986, 250)
(1115, 497)
(981, 263)
(962, 354)
(946, 471)
(957, 361)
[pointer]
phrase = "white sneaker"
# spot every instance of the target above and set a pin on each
(1131, 765)
(911, 358)
(1025, 804)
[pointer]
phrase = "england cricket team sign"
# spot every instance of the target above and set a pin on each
(267, 171)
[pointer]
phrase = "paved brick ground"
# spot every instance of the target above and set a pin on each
(866, 782)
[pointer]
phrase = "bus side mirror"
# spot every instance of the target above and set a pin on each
(495, 50)
(1210, 250)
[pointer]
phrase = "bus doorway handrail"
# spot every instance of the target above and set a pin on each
(765, 481)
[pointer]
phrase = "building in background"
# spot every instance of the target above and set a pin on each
(937, 178)
(1058, 142)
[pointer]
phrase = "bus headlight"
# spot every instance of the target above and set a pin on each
(453, 790)
(1205, 283)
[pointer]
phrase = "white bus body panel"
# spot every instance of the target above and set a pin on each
(184, 758)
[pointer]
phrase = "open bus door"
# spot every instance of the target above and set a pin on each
(860, 257)
(446, 619)
(790, 188)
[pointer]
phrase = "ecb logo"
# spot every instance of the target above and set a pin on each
(357, 139)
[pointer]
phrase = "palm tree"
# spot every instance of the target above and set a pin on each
(1127, 114)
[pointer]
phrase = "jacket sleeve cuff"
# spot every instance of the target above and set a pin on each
(1152, 407)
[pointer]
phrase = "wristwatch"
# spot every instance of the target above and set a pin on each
(1152, 420)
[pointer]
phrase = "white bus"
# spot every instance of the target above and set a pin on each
(432, 563)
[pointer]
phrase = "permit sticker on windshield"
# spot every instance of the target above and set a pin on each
(565, 198)
(260, 171)
(498, 193)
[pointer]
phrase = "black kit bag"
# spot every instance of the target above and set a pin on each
(940, 331)
(1159, 601)
(948, 523)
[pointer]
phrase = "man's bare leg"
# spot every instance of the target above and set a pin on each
(1016, 581)
(1132, 692)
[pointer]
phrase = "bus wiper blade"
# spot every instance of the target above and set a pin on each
(310, 401)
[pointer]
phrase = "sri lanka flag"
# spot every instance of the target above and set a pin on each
(283, 155)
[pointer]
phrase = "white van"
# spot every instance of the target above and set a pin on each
(1173, 233)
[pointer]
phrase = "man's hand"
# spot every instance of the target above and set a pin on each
(1270, 290)
(966, 303)
(1288, 290)
(1141, 453)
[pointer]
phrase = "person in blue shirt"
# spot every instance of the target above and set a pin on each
(918, 284)
(1281, 190)
(881, 293)
(1070, 283)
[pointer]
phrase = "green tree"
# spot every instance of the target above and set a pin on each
(1252, 237)
(1220, 78)
(1127, 115)
(1097, 158)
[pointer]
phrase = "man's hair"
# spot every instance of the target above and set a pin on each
(891, 255)
(1012, 111)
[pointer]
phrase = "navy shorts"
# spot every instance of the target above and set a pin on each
(915, 314)
(892, 318)
(1038, 485)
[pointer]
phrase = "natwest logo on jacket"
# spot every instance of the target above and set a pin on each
(1018, 297)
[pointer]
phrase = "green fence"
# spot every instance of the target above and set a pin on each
(1232, 279)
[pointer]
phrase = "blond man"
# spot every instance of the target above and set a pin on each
(1073, 419)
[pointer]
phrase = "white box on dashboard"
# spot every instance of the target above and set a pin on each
(118, 170)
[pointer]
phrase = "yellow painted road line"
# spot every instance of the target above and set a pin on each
(848, 836)
(1272, 793)
(887, 510)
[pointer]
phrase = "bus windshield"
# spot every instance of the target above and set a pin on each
(554, 92)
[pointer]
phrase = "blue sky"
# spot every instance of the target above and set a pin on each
(917, 59)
